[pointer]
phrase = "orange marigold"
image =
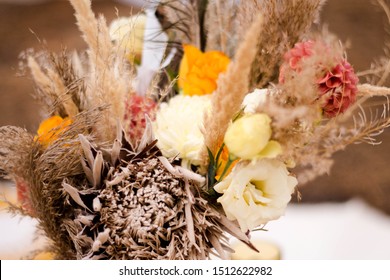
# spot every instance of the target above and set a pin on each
(50, 129)
(199, 71)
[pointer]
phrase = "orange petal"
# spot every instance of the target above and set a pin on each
(191, 54)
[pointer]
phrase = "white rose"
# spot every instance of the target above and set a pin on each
(256, 193)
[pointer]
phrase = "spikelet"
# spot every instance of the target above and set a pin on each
(15, 144)
(221, 26)
(285, 22)
(183, 20)
(108, 80)
(58, 87)
(232, 87)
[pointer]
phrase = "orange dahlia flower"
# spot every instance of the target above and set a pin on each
(199, 70)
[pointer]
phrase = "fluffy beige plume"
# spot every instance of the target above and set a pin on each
(109, 81)
(15, 145)
(220, 25)
(285, 22)
(183, 18)
(51, 90)
(232, 88)
(47, 170)
(371, 90)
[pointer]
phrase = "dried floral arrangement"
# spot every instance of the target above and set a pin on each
(183, 125)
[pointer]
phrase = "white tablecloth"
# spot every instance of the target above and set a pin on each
(351, 230)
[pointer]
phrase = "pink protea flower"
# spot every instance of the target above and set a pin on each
(136, 109)
(337, 87)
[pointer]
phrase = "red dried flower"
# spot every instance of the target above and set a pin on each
(337, 87)
(136, 109)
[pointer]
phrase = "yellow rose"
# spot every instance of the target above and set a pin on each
(255, 193)
(50, 129)
(199, 71)
(249, 138)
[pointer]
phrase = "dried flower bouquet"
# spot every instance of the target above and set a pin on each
(173, 131)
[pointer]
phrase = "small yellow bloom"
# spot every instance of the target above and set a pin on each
(249, 138)
(199, 71)
(50, 129)
(128, 33)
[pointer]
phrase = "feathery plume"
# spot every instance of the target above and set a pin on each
(285, 22)
(104, 85)
(221, 26)
(231, 89)
(183, 19)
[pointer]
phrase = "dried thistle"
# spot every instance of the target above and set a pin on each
(125, 203)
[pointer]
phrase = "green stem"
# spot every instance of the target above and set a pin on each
(227, 166)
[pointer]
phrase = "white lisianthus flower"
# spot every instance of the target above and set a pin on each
(253, 100)
(178, 127)
(257, 192)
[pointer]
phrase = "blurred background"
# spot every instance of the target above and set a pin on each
(360, 174)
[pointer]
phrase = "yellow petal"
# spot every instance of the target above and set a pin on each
(248, 136)
(271, 150)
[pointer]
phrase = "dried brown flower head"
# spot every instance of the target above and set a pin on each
(128, 203)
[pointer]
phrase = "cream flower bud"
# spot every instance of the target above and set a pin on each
(257, 192)
(128, 33)
(249, 137)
